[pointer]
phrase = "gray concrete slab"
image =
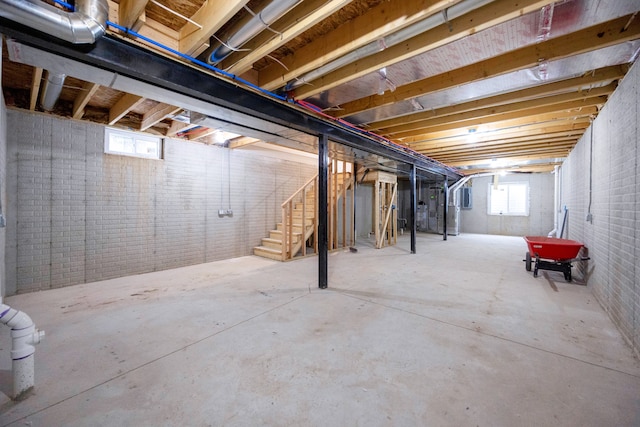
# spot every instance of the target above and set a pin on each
(458, 334)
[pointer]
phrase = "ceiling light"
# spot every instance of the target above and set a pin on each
(472, 135)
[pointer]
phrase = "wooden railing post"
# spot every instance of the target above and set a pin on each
(290, 239)
(284, 234)
(315, 217)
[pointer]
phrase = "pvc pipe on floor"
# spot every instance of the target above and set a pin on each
(24, 336)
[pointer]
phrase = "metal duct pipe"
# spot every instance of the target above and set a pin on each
(266, 17)
(87, 24)
(432, 21)
(24, 336)
(453, 190)
(51, 90)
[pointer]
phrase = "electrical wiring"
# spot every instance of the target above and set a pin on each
(303, 104)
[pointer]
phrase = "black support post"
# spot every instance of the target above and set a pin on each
(413, 214)
(355, 190)
(323, 236)
(445, 188)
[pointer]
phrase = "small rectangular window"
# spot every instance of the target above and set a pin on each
(511, 198)
(135, 144)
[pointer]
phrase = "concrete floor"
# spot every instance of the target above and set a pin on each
(456, 335)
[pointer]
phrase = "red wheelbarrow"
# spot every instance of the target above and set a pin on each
(551, 253)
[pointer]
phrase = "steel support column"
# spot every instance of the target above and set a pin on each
(413, 214)
(323, 220)
(445, 188)
(355, 205)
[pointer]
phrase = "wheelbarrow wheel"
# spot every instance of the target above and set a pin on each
(527, 261)
(567, 275)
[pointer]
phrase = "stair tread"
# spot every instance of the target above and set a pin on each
(266, 249)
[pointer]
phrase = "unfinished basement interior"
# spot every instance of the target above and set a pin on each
(320, 213)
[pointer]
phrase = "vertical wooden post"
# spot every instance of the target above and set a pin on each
(315, 217)
(331, 179)
(304, 222)
(344, 203)
(283, 238)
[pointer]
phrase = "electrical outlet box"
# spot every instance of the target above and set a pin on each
(589, 217)
(222, 212)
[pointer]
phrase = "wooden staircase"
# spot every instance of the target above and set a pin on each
(296, 233)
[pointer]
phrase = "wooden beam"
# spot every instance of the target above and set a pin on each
(130, 11)
(537, 168)
(307, 14)
(499, 148)
(177, 127)
(157, 114)
(212, 16)
(544, 152)
(123, 106)
(242, 141)
(375, 24)
(36, 81)
(201, 133)
(566, 110)
(598, 76)
(588, 39)
(499, 143)
(512, 159)
(497, 140)
(482, 115)
(496, 132)
(82, 99)
(159, 33)
(484, 17)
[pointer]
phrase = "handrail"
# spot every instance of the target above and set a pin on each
(299, 190)
(338, 190)
(287, 226)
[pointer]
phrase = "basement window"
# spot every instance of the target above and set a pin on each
(509, 198)
(135, 144)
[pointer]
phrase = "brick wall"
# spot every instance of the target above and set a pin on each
(610, 150)
(3, 175)
(540, 219)
(78, 215)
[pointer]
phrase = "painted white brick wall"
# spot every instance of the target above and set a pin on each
(540, 219)
(613, 238)
(79, 215)
(3, 180)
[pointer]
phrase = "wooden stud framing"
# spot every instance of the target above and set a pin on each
(36, 81)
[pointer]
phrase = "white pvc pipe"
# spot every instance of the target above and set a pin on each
(24, 336)
(556, 200)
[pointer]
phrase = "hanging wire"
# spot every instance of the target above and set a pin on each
(306, 105)
(176, 13)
